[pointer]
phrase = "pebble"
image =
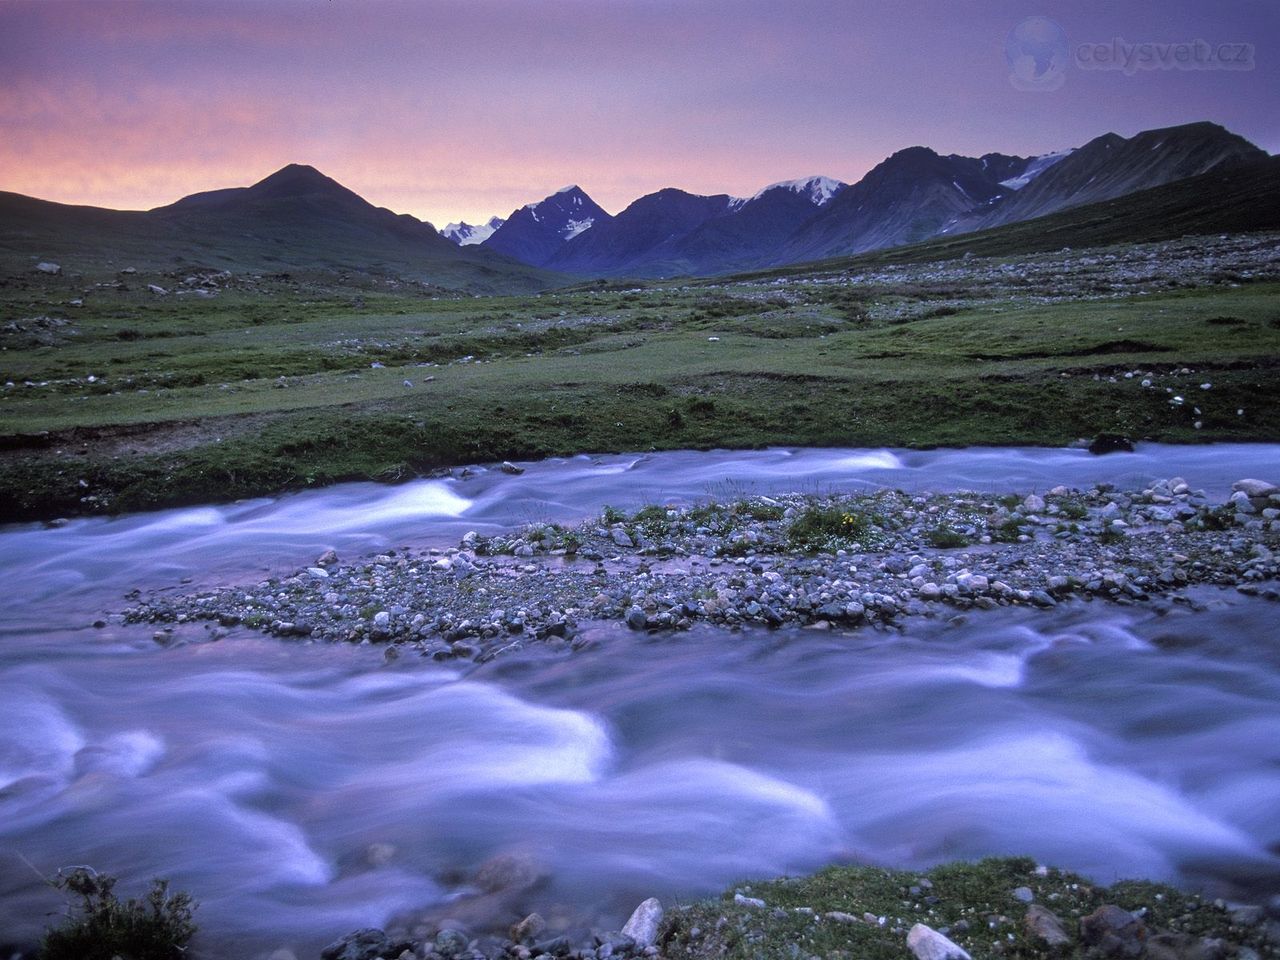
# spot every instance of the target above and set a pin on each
(1044, 924)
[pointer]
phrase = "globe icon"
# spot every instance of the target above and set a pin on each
(1037, 53)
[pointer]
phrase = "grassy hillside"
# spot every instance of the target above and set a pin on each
(330, 232)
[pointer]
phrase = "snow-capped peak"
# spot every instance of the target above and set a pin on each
(819, 190)
(465, 234)
(1037, 166)
(567, 212)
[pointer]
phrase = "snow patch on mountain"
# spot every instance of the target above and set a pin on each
(819, 190)
(575, 227)
(1037, 166)
(465, 234)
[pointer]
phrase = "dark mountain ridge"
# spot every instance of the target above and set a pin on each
(296, 218)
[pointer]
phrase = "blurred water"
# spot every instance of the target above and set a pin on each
(86, 558)
(304, 791)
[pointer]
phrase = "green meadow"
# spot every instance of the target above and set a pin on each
(135, 400)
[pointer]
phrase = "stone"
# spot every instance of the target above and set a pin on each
(1024, 894)
(1105, 443)
(1255, 488)
(327, 559)
(744, 901)
(928, 944)
(507, 872)
(1247, 916)
(366, 944)
(636, 618)
(1033, 503)
(158, 290)
(555, 947)
(1044, 923)
(45, 266)
(450, 943)
(509, 467)
(642, 927)
(528, 929)
(379, 854)
(1114, 932)
(1172, 945)
(621, 538)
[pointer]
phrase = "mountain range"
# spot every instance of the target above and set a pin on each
(464, 234)
(914, 195)
(299, 219)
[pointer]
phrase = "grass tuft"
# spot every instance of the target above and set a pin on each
(100, 926)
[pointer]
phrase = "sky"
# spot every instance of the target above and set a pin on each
(470, 108)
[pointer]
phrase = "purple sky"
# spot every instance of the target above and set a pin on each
(464, 109)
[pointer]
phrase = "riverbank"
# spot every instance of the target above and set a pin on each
(1008, 907)
(823, 562)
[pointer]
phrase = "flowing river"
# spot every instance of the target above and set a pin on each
(301, 791)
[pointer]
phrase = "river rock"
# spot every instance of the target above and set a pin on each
(379, 854)
(1044, 923)
(928, 944)
(1114, 932)
(509, 872)
(450, 943)
(1105, 443)
(45, 266)
(511, 468)
(1255, 488)
(1033, 503)
(366, 944)
(636, 618)
(1176, 945)
(528, 929)
(642, 927)
(621, 537)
